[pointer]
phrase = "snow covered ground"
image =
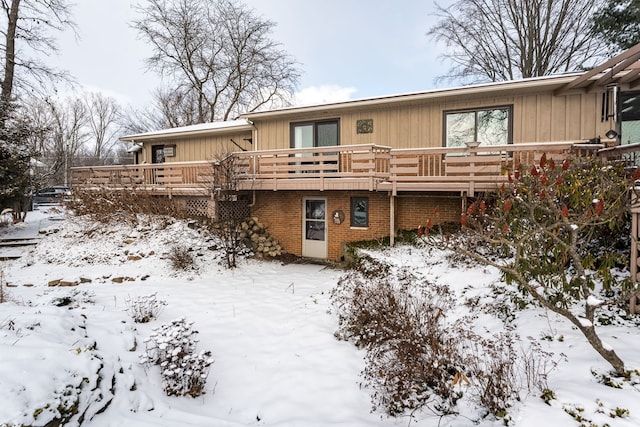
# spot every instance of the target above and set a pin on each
(66, 349)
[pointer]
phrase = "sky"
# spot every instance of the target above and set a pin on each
(347, 49)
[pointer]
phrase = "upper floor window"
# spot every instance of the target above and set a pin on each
(629, 117)
(315, 134)
(489, 126)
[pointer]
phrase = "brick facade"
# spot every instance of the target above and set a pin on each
(282, 212)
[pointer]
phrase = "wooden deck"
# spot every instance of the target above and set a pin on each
(355, 167)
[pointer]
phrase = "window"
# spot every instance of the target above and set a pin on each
(315, 134)
(629, 117)
(489, 126)
(359, 211)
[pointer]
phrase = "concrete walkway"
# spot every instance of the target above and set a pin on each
(16, 239)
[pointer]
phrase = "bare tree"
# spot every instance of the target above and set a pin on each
(218, 56)
(26, 27)
(68, 135)
(103, 122)
(496, 40)
(229, 214)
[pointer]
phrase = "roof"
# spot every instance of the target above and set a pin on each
(535, 83)
(621, 69)
(193, 130)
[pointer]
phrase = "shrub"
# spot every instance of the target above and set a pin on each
(400, 318)
(181, 258)
(106, 205)
(172, 346)
(418, 356)
(491, 364)
(561, 223)
(143, 309)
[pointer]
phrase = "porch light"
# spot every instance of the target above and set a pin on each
(611, 134)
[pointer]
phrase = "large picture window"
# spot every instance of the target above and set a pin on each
(489, 126)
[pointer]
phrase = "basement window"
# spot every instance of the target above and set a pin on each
(360, 212)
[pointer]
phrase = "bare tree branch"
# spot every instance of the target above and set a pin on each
(216, 56)
(495, 40)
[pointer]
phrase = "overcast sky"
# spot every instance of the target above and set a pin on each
(346, 48)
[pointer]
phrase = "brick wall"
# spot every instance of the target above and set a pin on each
(282, 212)
(415, 209)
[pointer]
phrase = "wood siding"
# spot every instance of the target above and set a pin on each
(537, 117)
(200, 148)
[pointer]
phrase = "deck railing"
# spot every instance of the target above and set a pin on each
(158, 176)
(366, 167)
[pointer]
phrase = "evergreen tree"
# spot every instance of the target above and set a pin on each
(618, 22)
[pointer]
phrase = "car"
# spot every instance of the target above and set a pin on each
(55, 194)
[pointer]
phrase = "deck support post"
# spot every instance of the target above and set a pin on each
(634, 307)
(392, 220)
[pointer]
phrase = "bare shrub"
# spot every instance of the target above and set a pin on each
(106, 205)
(400, 319)
(491, 367)
(181, 258)
(173, 347)
(419, 356)
(145, 308)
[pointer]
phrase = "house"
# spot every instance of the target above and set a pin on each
(323, 175)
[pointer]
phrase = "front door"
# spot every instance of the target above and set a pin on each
(157, 154)
(314, 228)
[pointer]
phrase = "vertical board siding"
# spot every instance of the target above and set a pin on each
(537, 117)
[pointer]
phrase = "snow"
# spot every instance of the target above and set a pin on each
(593, 301)
(269, 328)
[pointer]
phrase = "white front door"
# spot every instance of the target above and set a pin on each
(314, 227)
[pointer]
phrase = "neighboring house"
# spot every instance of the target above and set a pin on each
(323, 175)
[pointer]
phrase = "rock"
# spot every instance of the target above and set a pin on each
(68, 283)
(85, 280)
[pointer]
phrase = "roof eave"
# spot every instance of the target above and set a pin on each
(549, 83)
(160, 136)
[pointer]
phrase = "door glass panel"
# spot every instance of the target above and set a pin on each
(303, 136)
(327, 134)
(157, 154)
(314, 219)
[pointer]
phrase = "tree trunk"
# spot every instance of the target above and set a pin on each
(10, 56)
(608, 355)
(588, 331)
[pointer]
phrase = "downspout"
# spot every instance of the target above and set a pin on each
(254, 136)
(392, 220)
